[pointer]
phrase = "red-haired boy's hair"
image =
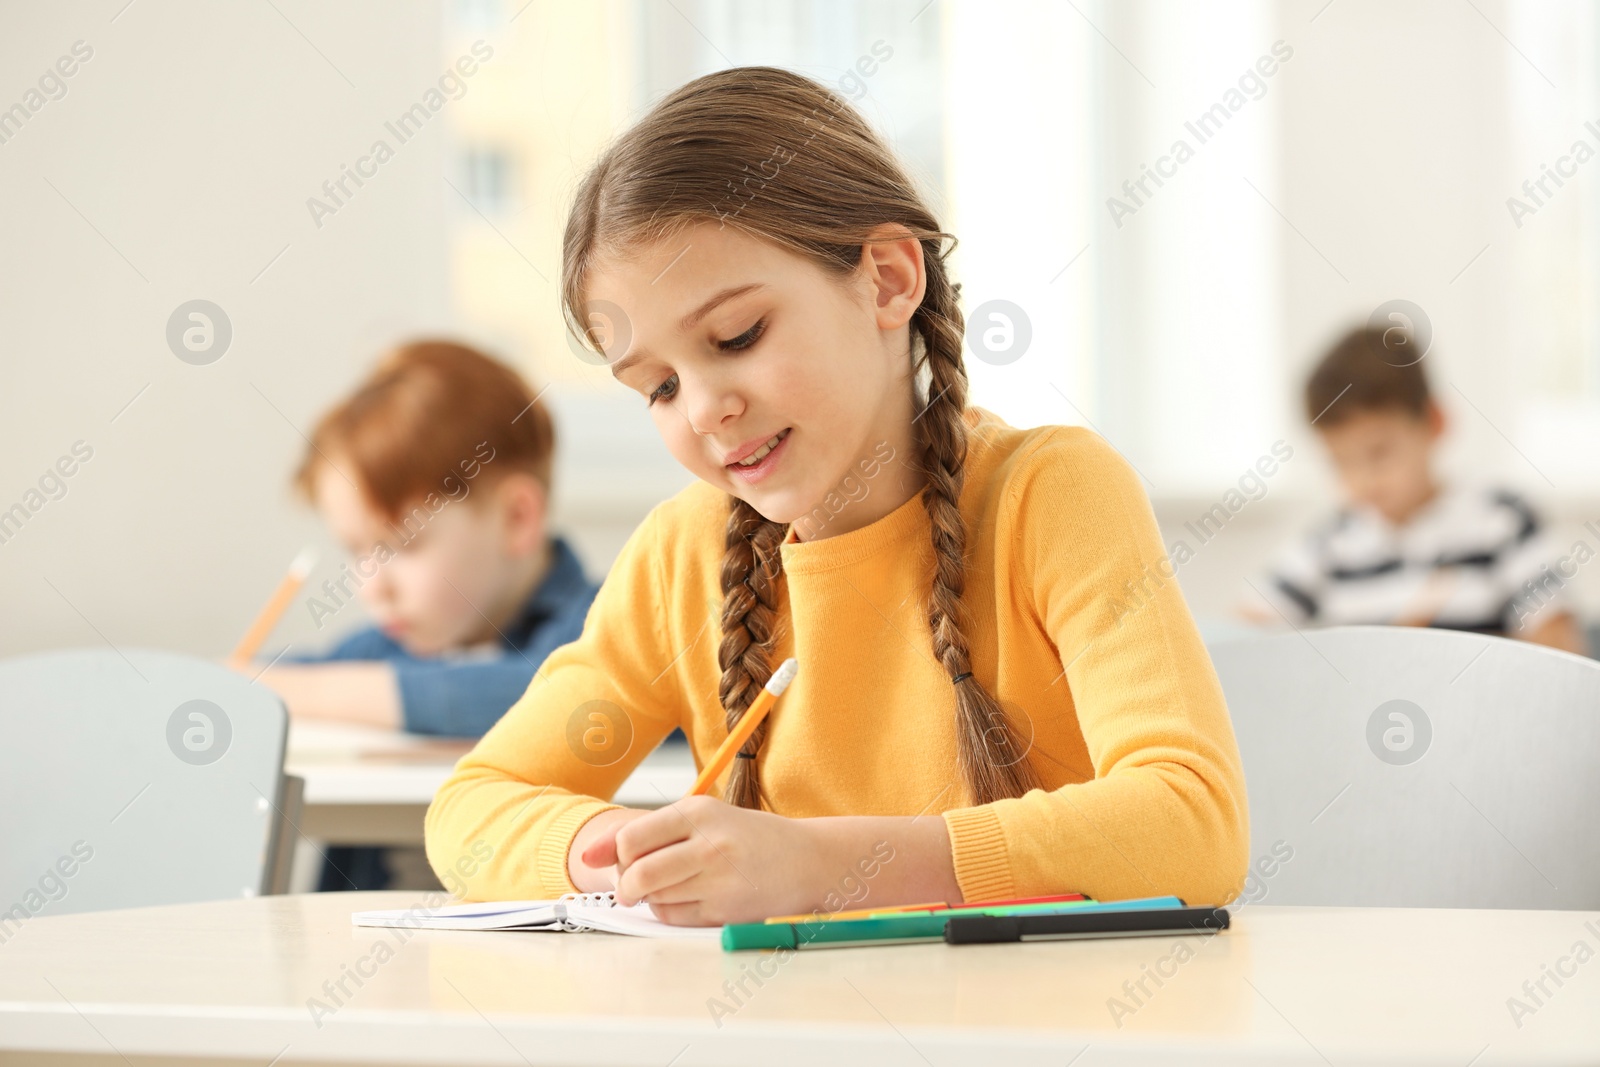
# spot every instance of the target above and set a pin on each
(429, 413)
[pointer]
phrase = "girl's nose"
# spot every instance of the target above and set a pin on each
(709, 402)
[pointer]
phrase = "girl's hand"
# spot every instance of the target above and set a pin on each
(704, 862)
(592, 857)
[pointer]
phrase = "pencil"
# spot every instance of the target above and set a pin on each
(938, 905)
(753, 715)
(261, 629)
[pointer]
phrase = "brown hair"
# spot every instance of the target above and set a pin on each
(428, 408)
(787, 160)
(1360, 373)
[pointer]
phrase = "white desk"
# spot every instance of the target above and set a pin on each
(1285, 985)
(373, 787)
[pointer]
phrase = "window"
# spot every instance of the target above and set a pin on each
(489, 180)
(478, 16)
(1550, 230)
(1019, 120)
(833, 41)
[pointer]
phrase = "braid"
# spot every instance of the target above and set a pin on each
(988, 756)
(750, 571)
(987, 752)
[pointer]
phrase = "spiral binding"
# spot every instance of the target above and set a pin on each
(608, 899)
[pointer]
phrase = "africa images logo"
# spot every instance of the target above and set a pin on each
(1399, 732)
(198, 732)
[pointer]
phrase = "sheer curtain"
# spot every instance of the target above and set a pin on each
(1153, 302)
(1021, 120)
(1552, 234)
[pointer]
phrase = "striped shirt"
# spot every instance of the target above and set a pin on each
(1472, 559)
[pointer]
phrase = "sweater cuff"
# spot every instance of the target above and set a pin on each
(558, 842)
(978, 846)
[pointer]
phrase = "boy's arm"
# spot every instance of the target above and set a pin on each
(1561, 632)
(461, 699)
(1288, 591)
(349, 682)
(595, 708)
(368, 678)
(346, 691)
(464, 699)
(1538, 608)
(1166, 810)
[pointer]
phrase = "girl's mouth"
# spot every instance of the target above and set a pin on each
(761, 462)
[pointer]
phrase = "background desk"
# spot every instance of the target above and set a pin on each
(372, 787)
(235, 980)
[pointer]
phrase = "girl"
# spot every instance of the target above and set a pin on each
(1001, 690)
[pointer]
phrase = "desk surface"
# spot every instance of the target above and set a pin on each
(345, 764)
(1286, 985)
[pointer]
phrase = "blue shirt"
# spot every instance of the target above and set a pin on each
(463, 696)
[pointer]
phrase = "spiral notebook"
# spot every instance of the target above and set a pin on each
(571, 912)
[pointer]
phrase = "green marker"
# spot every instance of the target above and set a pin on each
(904, 928)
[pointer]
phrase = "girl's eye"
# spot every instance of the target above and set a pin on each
(659, 395)
(746, 339)
(669, 388)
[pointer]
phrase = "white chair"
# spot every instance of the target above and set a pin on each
(1405, 767)
(145, 778)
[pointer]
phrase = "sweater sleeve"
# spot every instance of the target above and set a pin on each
(460, 699)
(1165, 812)
(502, 824)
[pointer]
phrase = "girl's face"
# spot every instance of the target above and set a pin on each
(739, 345)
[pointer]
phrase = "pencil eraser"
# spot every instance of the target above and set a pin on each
(782, 677)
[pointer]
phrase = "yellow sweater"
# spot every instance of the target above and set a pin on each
(1144, 794)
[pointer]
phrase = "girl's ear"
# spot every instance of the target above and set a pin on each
(892, 263)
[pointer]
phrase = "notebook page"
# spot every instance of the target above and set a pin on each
(637, 921)
(573, 911)
(495, 915)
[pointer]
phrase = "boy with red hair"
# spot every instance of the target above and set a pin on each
(435, 475)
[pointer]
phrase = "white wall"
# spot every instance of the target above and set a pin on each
(190, 141)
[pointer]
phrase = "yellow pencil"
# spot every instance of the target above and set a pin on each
(747, 725)
(261, 629)
(858, 913)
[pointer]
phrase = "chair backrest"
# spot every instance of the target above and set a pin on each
(1403, 767)
(134, 779)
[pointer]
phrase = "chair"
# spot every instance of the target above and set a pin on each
(1404, 767)
(145, 778)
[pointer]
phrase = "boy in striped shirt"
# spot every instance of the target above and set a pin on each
(1406, 549)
